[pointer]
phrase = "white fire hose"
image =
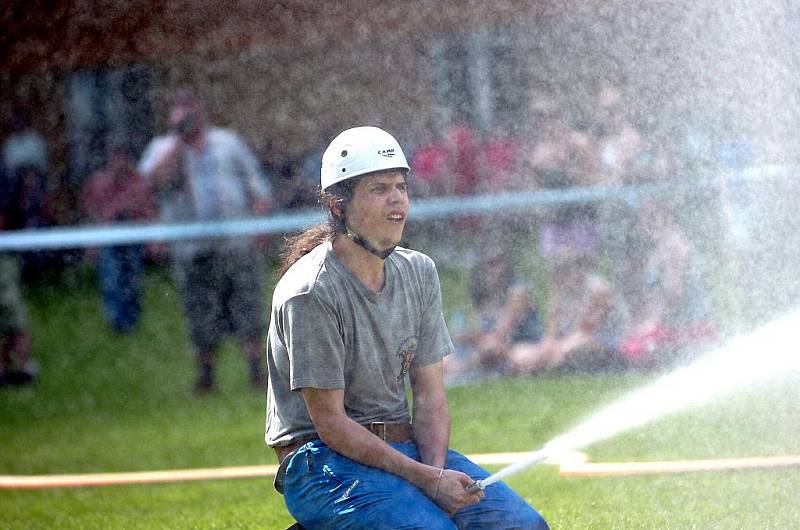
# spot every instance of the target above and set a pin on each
(533, 459)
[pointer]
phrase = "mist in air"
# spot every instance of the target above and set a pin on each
(630, 164)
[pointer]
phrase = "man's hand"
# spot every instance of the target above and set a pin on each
(168, 171)
(450, 491)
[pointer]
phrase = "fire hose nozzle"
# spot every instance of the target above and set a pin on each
(474, 487)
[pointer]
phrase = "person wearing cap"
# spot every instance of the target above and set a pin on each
(354, 317)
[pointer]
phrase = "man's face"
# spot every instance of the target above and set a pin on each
(379, 208)
(187, 121)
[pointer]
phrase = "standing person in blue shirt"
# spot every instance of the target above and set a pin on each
(353, 316)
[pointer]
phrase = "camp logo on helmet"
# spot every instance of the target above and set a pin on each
(388, 153)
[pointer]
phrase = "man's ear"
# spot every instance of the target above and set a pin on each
(338, 207)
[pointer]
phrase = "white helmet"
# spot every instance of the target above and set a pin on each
(359, 151)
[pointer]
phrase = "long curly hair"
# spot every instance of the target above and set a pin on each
(336, 197)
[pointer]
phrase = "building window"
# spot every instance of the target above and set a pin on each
(105, 106)
(477, 78)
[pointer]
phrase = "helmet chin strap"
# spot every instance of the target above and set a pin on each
(363, 243)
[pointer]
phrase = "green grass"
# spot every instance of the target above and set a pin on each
(123, 403)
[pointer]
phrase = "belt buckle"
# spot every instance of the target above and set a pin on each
(378, 428)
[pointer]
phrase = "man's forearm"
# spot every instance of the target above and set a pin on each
(352, 440)
(445, 488)
(432, 429)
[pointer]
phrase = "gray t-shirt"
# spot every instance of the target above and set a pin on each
(328, 330)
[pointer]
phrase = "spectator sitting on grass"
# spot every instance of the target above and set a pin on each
(674, 314)
(504, 319)
(584, 322)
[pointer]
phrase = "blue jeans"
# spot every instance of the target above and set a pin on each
(324, 489)
(120, 273)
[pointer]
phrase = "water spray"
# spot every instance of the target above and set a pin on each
(768, 351)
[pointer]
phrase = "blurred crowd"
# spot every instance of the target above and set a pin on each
(623, 283)
(594, 315)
